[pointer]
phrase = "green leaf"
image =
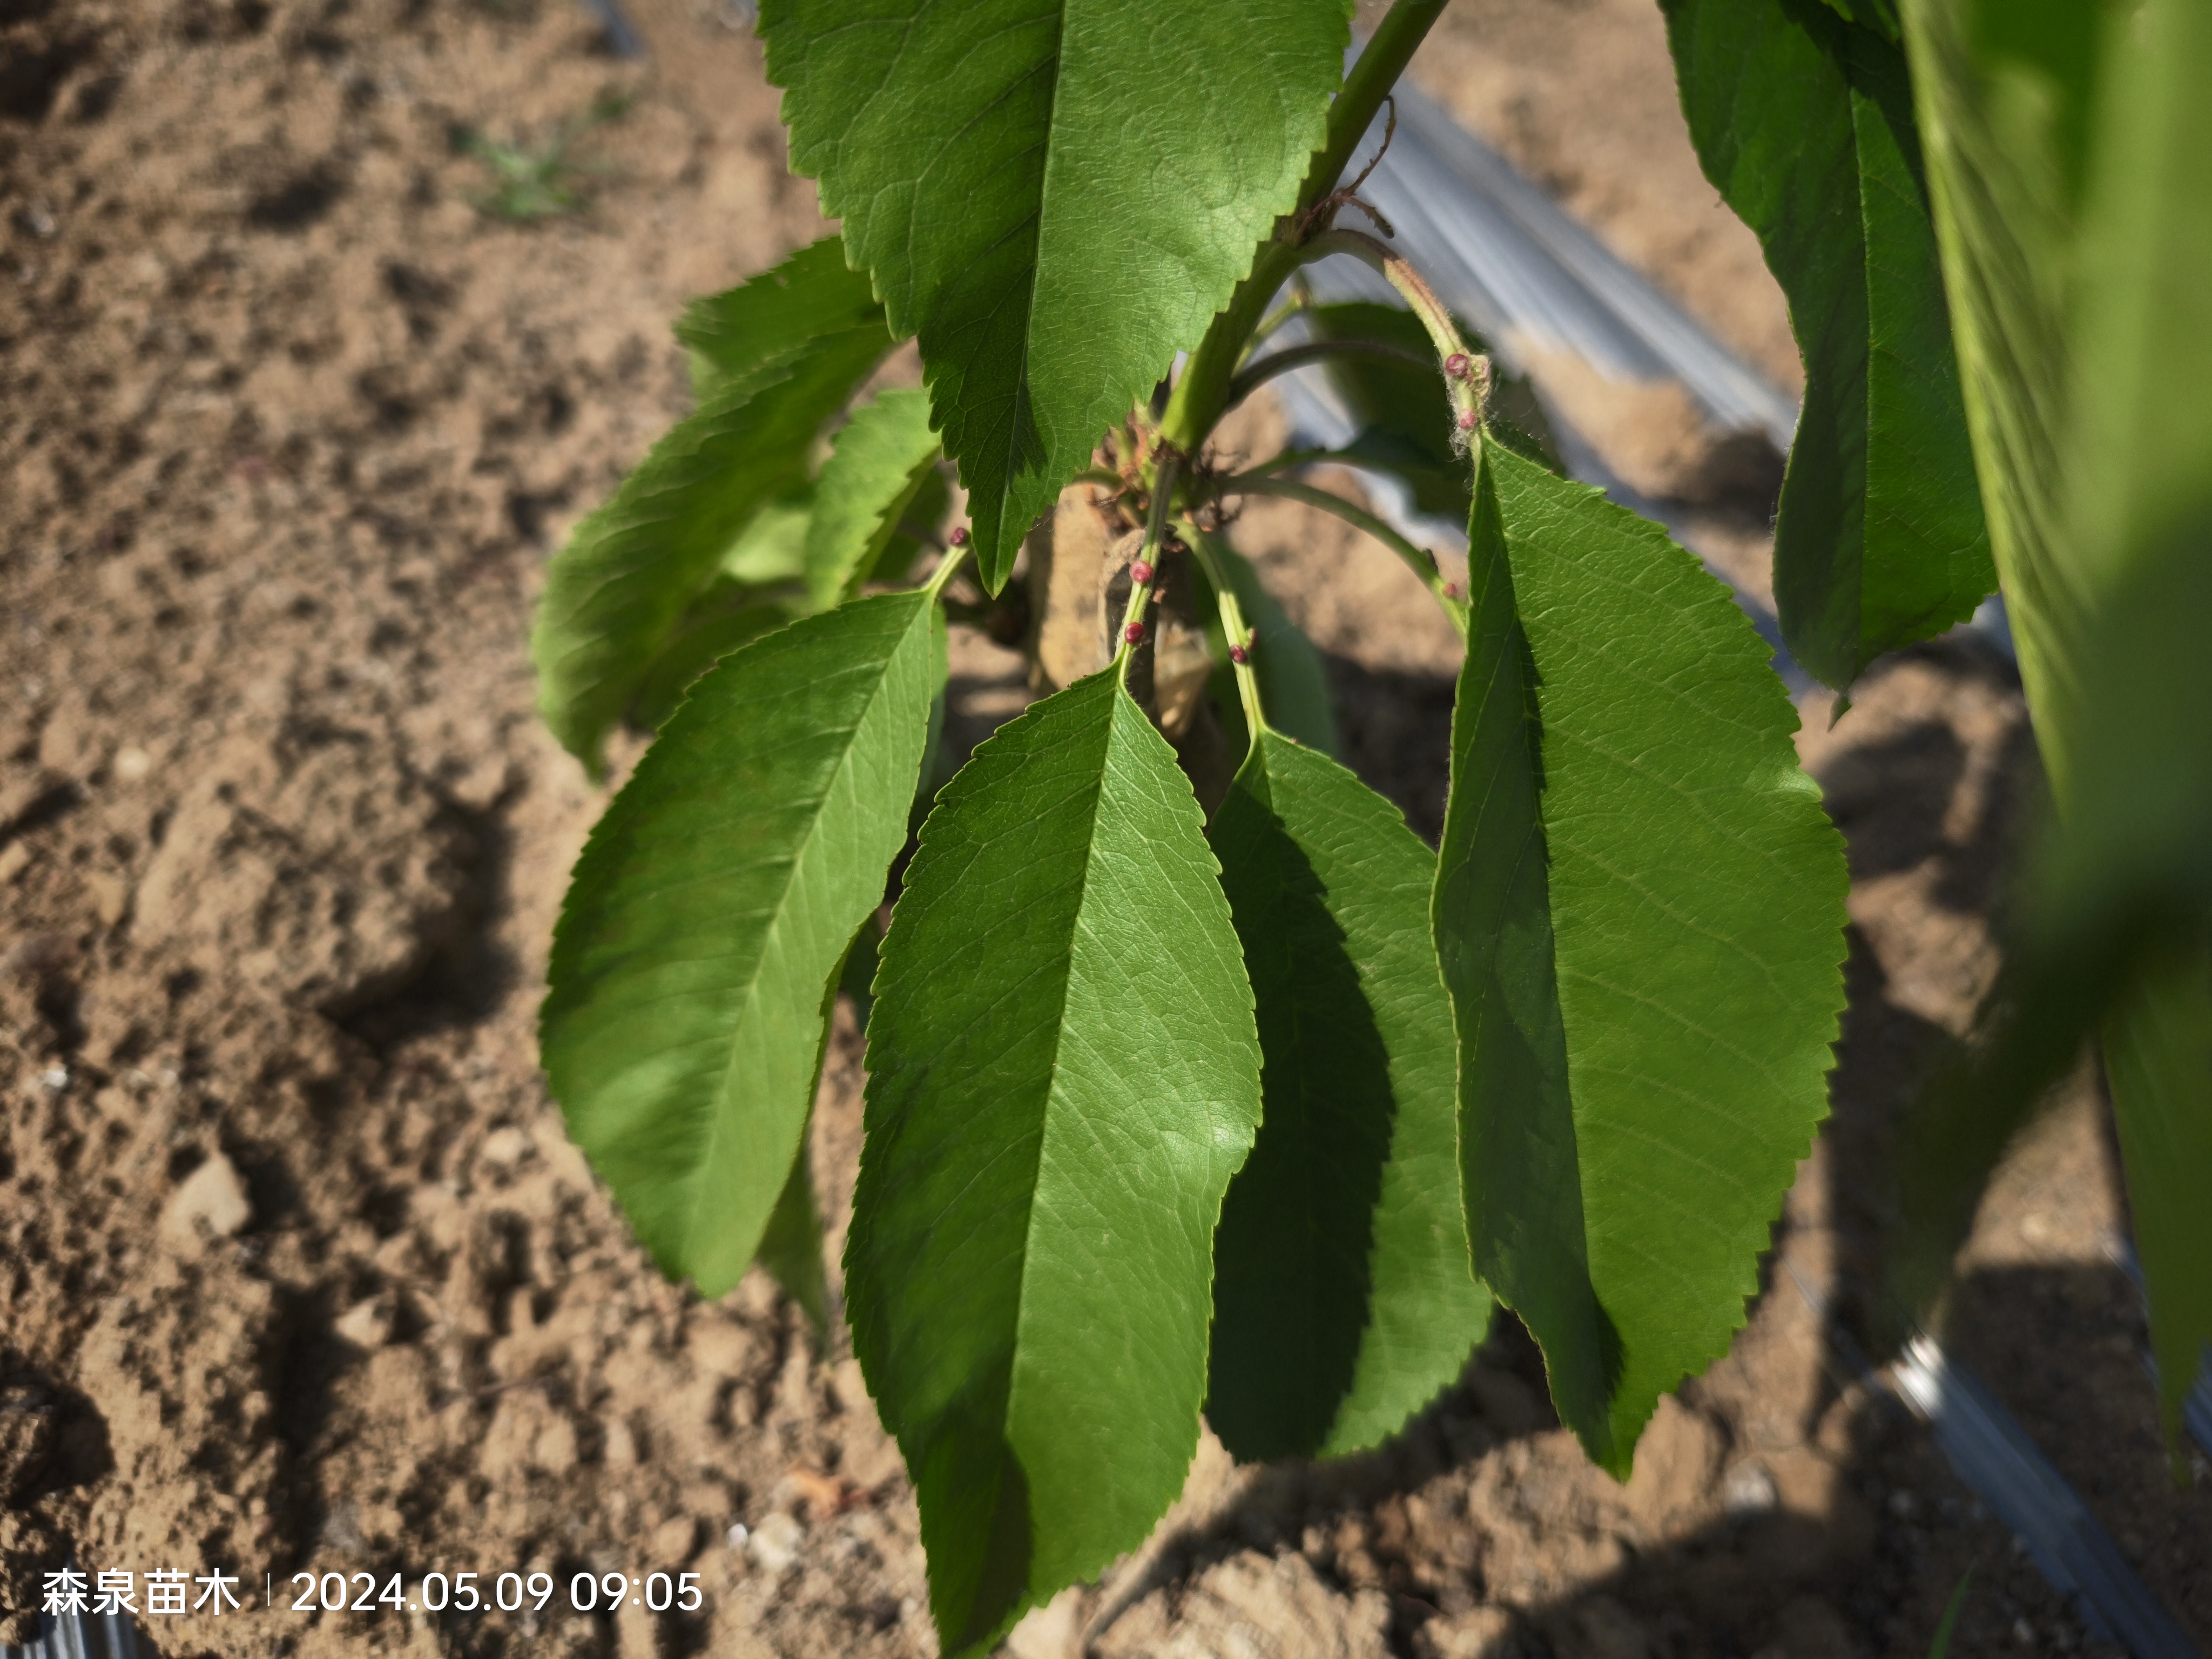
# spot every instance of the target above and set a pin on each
(2004, 95)
(2067, 150)
(1879, 15)
(741, 331)
(709, 913)
(1054, 195)
(877, 467)
(791, 1243)
(1062, 1077)
(1343, 1299)
(2158, 1059)
(710, 634)
(1639, 910)
(1940, 1648)
(771, 550)
(617, 591)
(1804, 124)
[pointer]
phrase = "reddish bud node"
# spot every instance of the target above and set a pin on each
(1134, 633)
(1451, 590)
(1239, 655)
(960, 536)
(1467, 420)
(1459, 366)
(1140, 573)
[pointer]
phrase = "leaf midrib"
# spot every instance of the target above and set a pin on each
(1023, 401)
(695, 1182)
(1080, 925)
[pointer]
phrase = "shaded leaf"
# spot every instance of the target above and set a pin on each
(881, 458)
(791, 1243)
(1056, 196)
(1639, 914)
(617, 591)
(1343, 1299)
(1062, 1077)
(1804, 123)
(2066, 158)
(709, 916)
(1880, 15)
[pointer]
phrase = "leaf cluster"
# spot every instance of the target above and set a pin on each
(1251, 1111)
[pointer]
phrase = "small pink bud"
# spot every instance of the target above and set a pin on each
(1451, 590)
(1459, 366)
(1239, 655)
(960, 536)
(1140, 573)
(1467, 420)
(1134, 633)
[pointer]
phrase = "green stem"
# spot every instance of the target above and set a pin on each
(946, 566)
(1253, 375)
(1469, 392)
(1234, 629)
(1287, 461)
(1202, 393)
(1420, 560)
(1298, 301)
(1388, 50)
(1140, 593)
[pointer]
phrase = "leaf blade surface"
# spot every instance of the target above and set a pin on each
(1803, 122)
(1055, 195)
(741, 331)
(2066, 153)
(1639, 913)
(616, 592)
(709, 913)
(880, 461)
(1344, 1301)
(1063, 1075)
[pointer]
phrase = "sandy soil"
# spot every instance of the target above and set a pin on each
(297, 1270)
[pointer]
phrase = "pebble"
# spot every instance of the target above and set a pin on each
(212, 1196)
(1749, 1489)
(775, 1544)
(132, 763)
(366, 1324)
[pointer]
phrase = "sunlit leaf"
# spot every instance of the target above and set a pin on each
(1062, 1077)
(1639, 913)
(617, 592)
(708, 916)
(876, 468)
(1056, 196)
